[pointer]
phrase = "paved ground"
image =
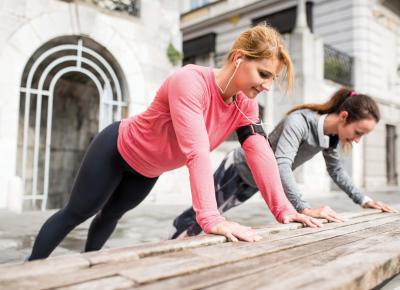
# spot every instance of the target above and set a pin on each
(144, 224)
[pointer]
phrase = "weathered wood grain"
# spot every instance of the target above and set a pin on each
(56, 265)
(151, 269)
(109, 283)
(359, 265)
(271, 261)
(288, 257)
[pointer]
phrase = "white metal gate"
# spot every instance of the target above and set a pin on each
(73, 57)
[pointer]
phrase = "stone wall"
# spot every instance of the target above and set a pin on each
(138, 44)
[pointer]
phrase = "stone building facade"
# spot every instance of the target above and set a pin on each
(67, 69)
(333, 43)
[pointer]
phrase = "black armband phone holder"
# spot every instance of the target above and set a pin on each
(245, 131)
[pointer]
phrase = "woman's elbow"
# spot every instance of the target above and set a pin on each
(195, 155)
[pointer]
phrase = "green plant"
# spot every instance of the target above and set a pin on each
(174, 55)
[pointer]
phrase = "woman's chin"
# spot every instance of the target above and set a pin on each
(252, 94)
(346, 142)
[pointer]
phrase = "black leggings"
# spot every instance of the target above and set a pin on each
(105, 185)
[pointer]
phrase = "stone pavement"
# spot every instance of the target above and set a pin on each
(146, 223)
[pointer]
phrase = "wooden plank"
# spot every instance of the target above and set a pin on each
(70, 262)
(159, 248)
(153, 269)
(123, 254)
(50, 281)
(44, 277)
(175, 260)
(364, 269)
(151, 249)
(273, 228)
(244, 268)
(359, 265)
(363, 212)
(301, 230)
(109, 283)
(170, 246)
(298, 237)
(56, 265)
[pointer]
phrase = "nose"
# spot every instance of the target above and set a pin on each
(266, 85)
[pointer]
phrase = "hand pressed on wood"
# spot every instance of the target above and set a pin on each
(235, 232)
(324, 212)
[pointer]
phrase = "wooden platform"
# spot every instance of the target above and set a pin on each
(358, 254)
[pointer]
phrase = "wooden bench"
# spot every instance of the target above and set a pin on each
(358, 254)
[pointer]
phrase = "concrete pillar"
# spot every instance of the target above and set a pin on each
(301, 17)
(358, 151)
(15, 194)
(306, 50)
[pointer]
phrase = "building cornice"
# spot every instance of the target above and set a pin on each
(213, 14)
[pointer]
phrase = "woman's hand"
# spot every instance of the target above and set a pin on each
(235, 232)
(324, 212)
(378, 205)
(302, 218)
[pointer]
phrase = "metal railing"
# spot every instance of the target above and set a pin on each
(338, 66)
(38, 100)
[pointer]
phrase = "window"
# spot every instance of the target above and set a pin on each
(200, 50)
(285, 20)
(198, 3)
(391, 170)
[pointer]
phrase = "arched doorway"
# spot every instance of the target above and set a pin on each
(71, 88)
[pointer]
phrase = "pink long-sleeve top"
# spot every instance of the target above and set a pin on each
(186, 121)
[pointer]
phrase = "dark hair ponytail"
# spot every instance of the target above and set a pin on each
(358, 106)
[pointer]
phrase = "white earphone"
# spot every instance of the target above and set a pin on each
(238, 61)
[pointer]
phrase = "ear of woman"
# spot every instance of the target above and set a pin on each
(343, 116)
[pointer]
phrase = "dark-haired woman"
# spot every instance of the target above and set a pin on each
(305, 131)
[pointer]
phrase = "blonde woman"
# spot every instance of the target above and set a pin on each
(194, 111)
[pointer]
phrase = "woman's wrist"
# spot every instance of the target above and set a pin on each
(365, 200)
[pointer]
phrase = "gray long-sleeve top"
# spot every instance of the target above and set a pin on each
(294, 141)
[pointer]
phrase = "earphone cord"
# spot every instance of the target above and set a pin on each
(251, 121)
(229, 81)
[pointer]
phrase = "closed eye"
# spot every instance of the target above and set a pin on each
(358, 133)
(266, 75)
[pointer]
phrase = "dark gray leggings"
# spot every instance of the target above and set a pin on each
(105, 185)
(230, 191)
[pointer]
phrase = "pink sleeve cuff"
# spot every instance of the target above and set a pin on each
(208, 223)
(281, 216)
